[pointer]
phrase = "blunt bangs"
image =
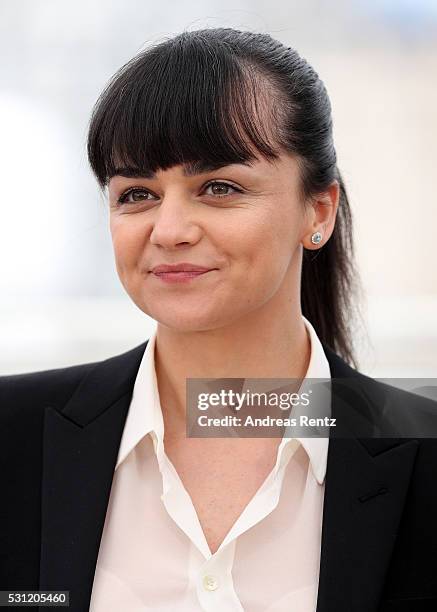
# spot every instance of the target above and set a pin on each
(186, 99)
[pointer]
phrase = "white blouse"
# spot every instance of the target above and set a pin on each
(153, 554)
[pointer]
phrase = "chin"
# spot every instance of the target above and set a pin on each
(188, 324)
(187, 321)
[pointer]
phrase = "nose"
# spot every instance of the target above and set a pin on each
(174, 223)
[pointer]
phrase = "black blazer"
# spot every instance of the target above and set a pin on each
(60, 432)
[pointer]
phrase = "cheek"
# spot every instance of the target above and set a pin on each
(271, 239)
(128, 244)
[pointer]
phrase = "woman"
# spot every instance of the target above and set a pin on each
(232, 229)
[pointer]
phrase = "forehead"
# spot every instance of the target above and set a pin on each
(189, 169)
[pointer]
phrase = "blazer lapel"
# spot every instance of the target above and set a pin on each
(81, 442)
(365, 490)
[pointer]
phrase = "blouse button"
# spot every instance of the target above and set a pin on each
(210, 583)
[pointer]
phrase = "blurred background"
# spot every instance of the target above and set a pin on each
(61, 300)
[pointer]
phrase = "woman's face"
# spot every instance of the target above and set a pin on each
(246, 224)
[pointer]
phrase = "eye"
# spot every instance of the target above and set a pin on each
(133, 195)
(222, 188)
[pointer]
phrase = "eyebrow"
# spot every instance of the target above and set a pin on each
(189, 169)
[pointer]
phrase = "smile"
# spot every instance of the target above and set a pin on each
(179, 277)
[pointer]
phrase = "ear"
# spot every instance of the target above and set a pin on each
(322, 212)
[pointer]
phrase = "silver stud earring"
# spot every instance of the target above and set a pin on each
(316, 238)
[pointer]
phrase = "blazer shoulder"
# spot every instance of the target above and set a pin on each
(388, 395)
(374, 389)
(33, 391)
(381, 409)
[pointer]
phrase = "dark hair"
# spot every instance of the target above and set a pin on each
(221, 96)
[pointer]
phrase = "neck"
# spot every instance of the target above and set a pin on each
(265, 344)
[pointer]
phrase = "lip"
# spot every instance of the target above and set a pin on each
(179, 277)
(180, 267)
(179, 273)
